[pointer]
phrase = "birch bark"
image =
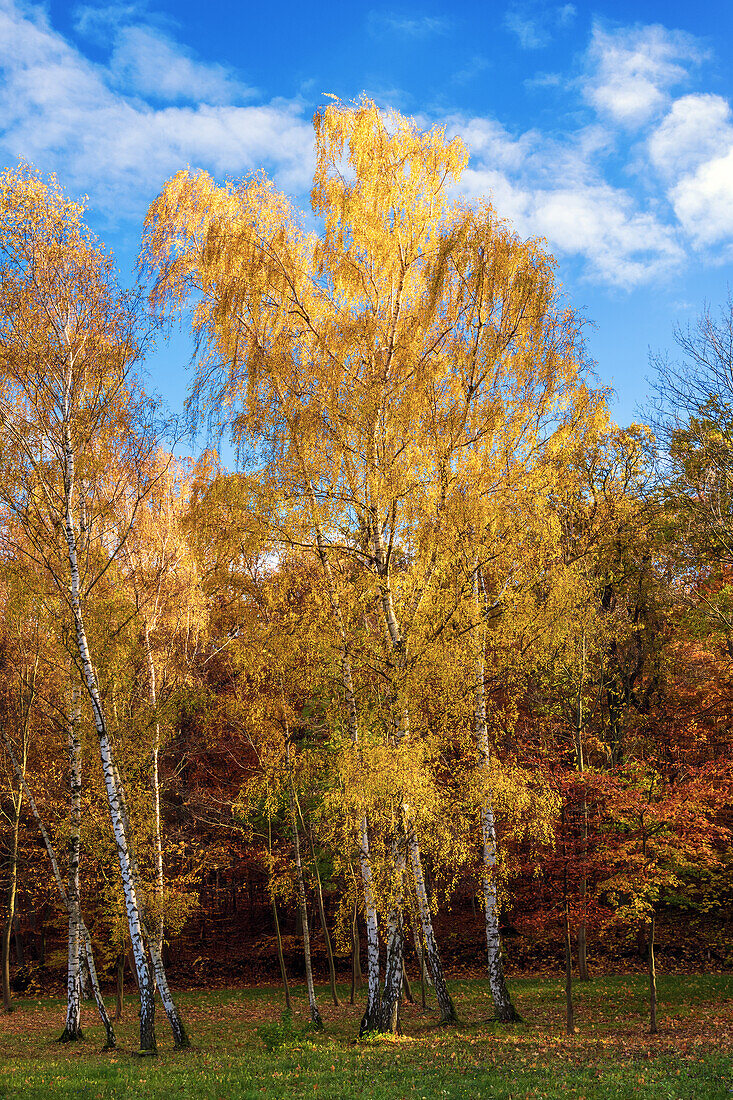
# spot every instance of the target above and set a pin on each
(72, 1031)
(86, 941)
(180, 1036)
(86, 984)
(155, 785)
(432, 955)
(147, 1002)
(402, 731)
(389, 1009)
(503, 1006)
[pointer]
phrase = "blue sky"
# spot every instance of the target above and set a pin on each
(605, 128)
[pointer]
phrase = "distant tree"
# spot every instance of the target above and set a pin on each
(692, 414)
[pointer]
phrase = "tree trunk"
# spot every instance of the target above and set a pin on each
(580, 759)
(652, 980)
(18, 937)
(120, 985)
(315, 1014)
(402, 732)
(357, 949)
(406, 984)
(419, 951)
(280, 956)
(147, 1002)
(86, 941)
(505, 1010)
(582, 953)
(355, 962)
(389, 1016)
(134, 922)
(371, 1015)
(72, 1031)
(445, 1002)
(86, 984)
(180, 1036)
(569, 1015)
(10, 898)
(422, 971)
(155, 787)
(322, 914)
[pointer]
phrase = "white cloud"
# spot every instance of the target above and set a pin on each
(544, 80)
(594, 223)
(698, 128)
(553, 189)
(418, 26)
(692, 149)
(534, 23)
(631, 70)
(65, 114)
(529, 32)
(148, 62)
(621, 244)
(117, 130)
(703, 201)
(99, 22)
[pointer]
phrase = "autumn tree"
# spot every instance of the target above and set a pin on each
(77, 434)
(365, 363)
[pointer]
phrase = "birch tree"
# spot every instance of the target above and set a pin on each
(368, 360)
(76, 435)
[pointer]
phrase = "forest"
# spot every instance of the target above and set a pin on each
(395, 664)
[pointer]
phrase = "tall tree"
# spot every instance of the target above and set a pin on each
(77, 435)
(369, 360)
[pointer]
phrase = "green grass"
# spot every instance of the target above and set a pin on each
(612, 1056)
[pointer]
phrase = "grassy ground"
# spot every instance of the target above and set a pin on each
(242, 1051)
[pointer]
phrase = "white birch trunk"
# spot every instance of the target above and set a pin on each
(72, 1031)
(86, 940)
(370, 1019)
(503, 1006)
(389, 1009)
(155, 785)
(432, 956)
(147, 1002)
(180, 1036)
